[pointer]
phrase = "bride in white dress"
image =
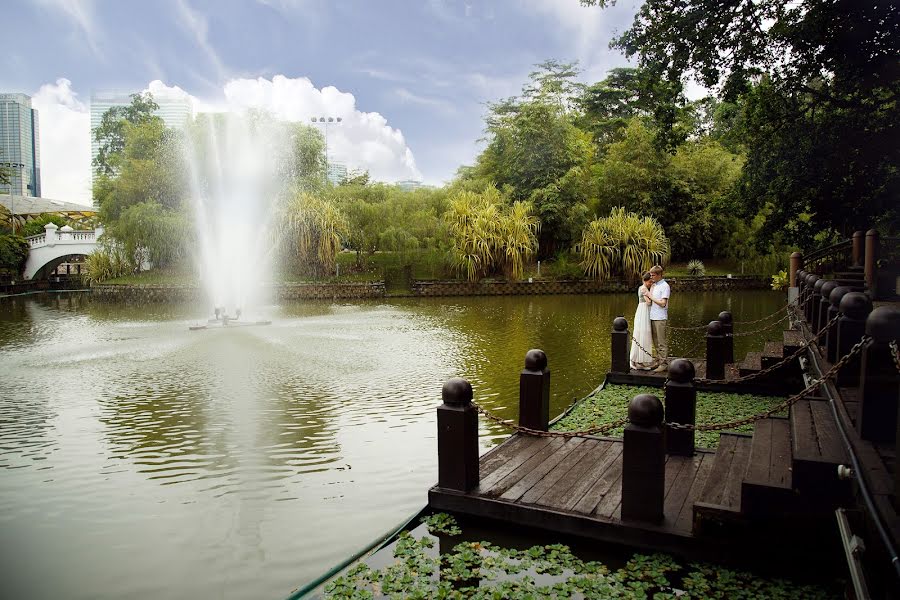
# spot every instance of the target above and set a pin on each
(641, 333)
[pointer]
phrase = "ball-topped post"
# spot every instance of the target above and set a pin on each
(855, 308)
(816, 304)
(727, 321)
(879, 383)
(534, 391)
(811, 280)
(644, 460)
(834, 310)
(715, 351)
(457, 421)
(796, 264)
(620, 338)
(825, 304)
(681, 407)
(870, 267)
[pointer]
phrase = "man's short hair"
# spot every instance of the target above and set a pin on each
(656, 269)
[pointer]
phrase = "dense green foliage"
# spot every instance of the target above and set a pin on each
(622, 244)
(483, 570)
(809, 91)
(36, 226)
(13, 253)
(611, 404)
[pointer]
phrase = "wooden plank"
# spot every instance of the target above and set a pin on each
(581, 477)
(780, 455)
(760, 453)
(712, 493)
(545, 467)
(609, 505)
(685, 520)
(678, 493)
(588, 501)
(557, 475)
(831, 446)
(500, 455)
(528, 449)
(731, 494)
(534, 461)
(803, 438)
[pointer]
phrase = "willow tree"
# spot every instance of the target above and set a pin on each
(622, 244)
(312, 229)
(488, 235)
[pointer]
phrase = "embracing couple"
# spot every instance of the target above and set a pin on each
(650, 323)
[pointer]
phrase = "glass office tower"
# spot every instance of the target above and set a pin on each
(20, 145)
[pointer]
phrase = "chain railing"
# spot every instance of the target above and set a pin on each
(780, 406)
(607, 427)
(780, 363)
(761, 329)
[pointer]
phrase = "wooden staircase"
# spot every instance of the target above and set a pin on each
(786, 469)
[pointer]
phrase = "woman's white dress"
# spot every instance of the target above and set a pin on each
(641, 333)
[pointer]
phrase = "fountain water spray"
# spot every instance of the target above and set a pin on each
(237, 172)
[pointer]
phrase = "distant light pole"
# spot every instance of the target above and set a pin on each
(326, 121)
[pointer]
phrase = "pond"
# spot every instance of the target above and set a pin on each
(139, 459)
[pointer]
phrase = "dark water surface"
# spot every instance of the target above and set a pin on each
(142, 460)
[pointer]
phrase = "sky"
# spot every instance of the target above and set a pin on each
(410, 79)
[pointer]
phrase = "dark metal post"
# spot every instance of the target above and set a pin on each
(796, 265)
(457, 437)
(644, 460)
(871, 260)
(681, 407)
(857, 256)
(534, 391)
(727, 322)
(879, 384)
(621, 346)
(715, 351)
(855, 308)
(834, 299)
(824, 304)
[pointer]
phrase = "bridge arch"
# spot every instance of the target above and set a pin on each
(56, 245)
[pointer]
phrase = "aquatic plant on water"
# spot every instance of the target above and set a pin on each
(482, 570)
(611, 404)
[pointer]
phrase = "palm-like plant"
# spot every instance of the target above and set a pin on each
(489, 236)
(622, 244)
(316, 227)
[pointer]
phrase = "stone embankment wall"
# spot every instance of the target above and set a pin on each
(354, 291)
(189, 293)
(575, 286)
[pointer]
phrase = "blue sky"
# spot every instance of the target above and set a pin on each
(410, 78)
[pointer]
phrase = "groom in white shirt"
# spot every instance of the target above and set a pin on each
(659, 314)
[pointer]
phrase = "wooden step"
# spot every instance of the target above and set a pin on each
(720, 499)
(851, 275)
(767, 485)
(773, 353)
(817, 450)
(752, 363)
(792, 341)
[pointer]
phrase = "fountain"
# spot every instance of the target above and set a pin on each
(239, 170)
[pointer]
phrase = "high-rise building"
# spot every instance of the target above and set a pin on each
(174, 111)
(20, 148)
(408, 185)
(336, 172)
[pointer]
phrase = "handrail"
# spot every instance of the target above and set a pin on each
(823, 252)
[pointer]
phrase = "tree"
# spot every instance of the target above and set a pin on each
(111, 133)
(819, 82)
(312, 232)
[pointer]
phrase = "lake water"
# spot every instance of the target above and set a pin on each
(139, 459)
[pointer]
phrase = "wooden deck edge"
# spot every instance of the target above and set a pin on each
(630, 533)
(726, 387)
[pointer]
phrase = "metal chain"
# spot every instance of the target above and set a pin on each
(783, 361)
(783, 405)
(895, 354)
(785, 307)
(769, 326)
(600, 429)
(647, 352)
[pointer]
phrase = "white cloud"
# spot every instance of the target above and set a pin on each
(65, 130)
(363, 140)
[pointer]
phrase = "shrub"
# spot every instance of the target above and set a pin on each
(696, 268)
(622, 244)
(780, 281)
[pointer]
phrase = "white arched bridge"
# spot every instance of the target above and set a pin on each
(56, 246)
